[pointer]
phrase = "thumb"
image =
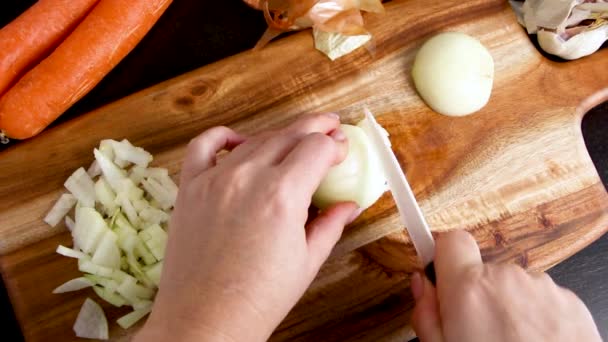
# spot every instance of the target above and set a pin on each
(325, 230)
(425, 318)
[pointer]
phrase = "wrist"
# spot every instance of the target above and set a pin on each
(216, 318)
(167, 330)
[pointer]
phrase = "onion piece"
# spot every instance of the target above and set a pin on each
(138, 272)
(130, 189)
(112, 173)
(94, 170)
(91, 321)
(153, 272)
(73, 285)
(107, 283)
(87, 266)
(105, 196)
(137, 173)
(121, 163)
(82, 187)
(119, 275)
(110, 296)
(142, 251)
(69, 223)
(107, 253)
(70, 253)
(159, 193)
(156, 172)
(89, 230)
(61, 208)
(127, 207)
(155, 239)
(133, 317)
(106, 147)
(133, 292)
(153, 215)
(140, 205)
(143, 304)
(124, 150)
(171, 187)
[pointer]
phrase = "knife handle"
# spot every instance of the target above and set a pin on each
(429, 271)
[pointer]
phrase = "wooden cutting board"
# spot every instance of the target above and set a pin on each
(516, 174)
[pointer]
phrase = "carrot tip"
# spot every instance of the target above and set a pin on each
(4, 139)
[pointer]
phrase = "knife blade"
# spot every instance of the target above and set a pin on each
(408, 207)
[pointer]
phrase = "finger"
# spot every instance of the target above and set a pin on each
(274, 150)
(202, 150)
(310, 160)
(244, 150)
(311, 123)
(323, 232)
(425, 318)
(455, 252)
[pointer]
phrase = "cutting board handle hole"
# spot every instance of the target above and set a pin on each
(594, 127)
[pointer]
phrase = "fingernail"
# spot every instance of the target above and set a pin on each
(354, 215)
(417, 285)
(333, 116)
(338, 135)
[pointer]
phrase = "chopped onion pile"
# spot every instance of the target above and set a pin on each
(122, 210)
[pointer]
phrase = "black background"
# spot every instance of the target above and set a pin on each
(193, 33)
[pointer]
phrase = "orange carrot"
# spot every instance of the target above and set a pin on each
(32, 36)
(102, 40)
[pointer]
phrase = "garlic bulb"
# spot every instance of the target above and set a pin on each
(569, 29)
(579, 45)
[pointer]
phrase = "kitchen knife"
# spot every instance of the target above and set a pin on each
(410, 212)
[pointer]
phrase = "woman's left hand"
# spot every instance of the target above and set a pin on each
(240, 252)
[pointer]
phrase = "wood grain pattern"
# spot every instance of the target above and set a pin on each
(516, 174)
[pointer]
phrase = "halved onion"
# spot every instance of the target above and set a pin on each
(359, 178)
(454, 73)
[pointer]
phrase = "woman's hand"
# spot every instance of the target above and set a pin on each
(240, 253)
(477, 302)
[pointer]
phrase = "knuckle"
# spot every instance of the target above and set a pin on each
(211, 132)
(281, 194)
(311, 121)
(203, 138)
(321, 141)
(471, 287)
(283, 190)
(218, 130)
(234, 178)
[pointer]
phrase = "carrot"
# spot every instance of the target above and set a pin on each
(32, 36)
(110, 31)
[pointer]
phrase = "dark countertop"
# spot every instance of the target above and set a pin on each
(195, 33)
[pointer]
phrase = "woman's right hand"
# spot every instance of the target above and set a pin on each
(484, 302)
